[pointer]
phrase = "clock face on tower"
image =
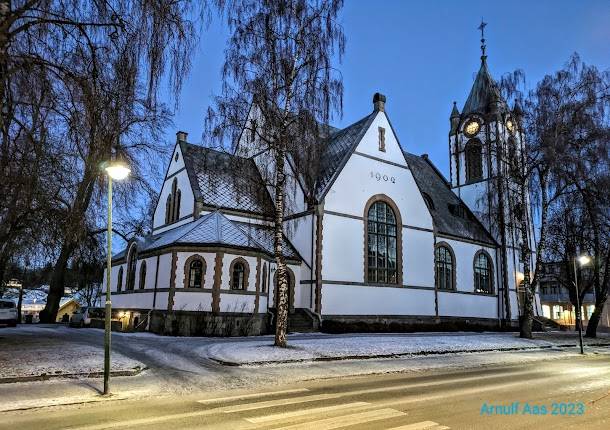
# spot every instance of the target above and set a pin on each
(471, 128)
(510, 125)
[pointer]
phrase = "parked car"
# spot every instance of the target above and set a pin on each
(80, 318)
(8, 312)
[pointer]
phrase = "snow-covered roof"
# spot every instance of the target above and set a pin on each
(449, 213)
(224, 180)
(216, 229)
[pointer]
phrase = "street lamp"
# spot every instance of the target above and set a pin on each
(582, 260)
(117, 170)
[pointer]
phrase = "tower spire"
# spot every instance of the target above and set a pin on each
(482, 28)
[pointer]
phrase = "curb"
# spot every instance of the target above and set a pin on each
(45, 377)
(395, 355)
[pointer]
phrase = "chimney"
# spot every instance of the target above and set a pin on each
(181, 136)
(379, 102)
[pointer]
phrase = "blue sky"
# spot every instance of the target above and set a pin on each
(423, 56)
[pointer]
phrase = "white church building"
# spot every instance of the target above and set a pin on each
(389, 244)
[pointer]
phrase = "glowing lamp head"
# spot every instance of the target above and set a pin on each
(117, 171)
(583, 260)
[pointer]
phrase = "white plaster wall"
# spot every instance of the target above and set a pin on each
(300, 234)
(237, 302)
(208, 278)
(358, 182)
(467, 305)
(342, 249)
(192, 301)
(358, 300)
(133, 300)
(165, 262)
(418, 258)
(187, 200)
(174, 165)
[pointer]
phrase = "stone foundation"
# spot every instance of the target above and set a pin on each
(406, 324)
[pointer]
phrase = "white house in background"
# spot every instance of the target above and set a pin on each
(387, 244)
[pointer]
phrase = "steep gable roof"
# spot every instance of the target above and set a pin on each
(224, 180)
(450, 215)
(338, 147)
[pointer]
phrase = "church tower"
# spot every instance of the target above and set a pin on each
(485, 142)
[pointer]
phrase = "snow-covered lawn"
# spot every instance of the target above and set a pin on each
(31, 351)
(371, 346)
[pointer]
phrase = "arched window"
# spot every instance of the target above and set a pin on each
(131, 268)
(168, 209)
(239, 274)
(474, 160)
(445, 267)
(142, 275)
(119, 281)
(177, 197)
(264, 278)
(194, 269)
(382, 240)
(483, 273)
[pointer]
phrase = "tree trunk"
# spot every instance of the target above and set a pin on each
(281, 320)
(595, 318)
(56, 286)
(71, 235)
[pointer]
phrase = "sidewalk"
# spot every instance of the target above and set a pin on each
(36, 353)
(358, 347)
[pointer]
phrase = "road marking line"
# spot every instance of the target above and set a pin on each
(436, 383)
(346, 420)
(424, 425)
(251, 396)
(295, 414)
(278, 402)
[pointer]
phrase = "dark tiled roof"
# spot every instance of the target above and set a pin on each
(215, 229)
(449, 213)
(483, 93)
(223, 180)
(337, 150)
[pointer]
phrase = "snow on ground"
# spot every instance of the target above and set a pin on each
(27, 351)
(353, 347)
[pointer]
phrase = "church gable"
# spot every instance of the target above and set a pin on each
(176, 199)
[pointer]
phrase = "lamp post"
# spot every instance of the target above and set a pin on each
(115, 170)
(583, 260)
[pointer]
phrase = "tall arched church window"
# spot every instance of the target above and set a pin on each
(178, 197)
(382, 241)
(194, 269)
(474, 160)
(119, 281)
(239, 271)
(483, 273)
(131, 268)
(142, 275)
(445, 267)
(168, 209)
(264, 278)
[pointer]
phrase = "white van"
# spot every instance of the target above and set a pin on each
(8, 312)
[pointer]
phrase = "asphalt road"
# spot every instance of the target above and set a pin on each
(580, 388)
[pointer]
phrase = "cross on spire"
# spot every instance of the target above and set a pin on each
(482, 28)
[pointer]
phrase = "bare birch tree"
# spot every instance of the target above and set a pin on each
(279, 62)
(564, 132)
